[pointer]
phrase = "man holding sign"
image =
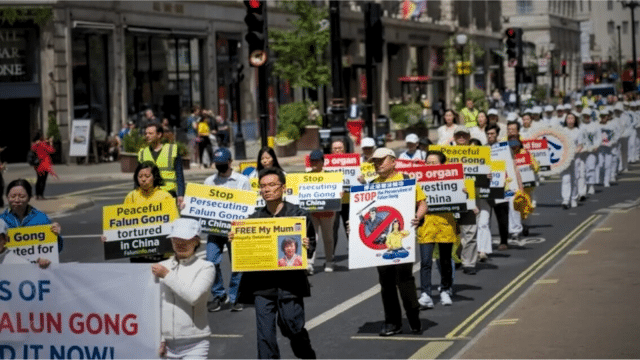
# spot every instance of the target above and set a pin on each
(228, 178)
(394, 278)
(278, 294)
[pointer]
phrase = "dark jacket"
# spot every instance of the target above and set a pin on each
(285, 283)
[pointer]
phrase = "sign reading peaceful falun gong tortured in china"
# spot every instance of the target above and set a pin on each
(138, 229)
(269, 244)
(33, 242)
(216, 207)
(475, 160)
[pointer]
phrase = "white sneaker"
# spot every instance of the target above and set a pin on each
(445, 298)
(425, 301)
(328, 268)
(591, 190)
(574, 203)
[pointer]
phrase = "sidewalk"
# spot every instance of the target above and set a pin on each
(110, 171)
(584, 307)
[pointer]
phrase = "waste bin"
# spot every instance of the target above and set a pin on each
(382, 125)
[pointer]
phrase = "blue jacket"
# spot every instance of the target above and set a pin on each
(34, 217)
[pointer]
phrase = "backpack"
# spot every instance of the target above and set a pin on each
(32, 158)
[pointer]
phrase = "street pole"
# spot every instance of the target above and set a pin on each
(263, 85)
(619, 55)
(632, 4)
(368, 108)
(239, 145)
(462, 78)
(338, 103)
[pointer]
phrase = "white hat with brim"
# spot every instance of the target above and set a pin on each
(537, 110)
(461, 129)
(548, 108)
(185, 229)
(492, 112)
(368, 142)
(412, 138)
(513, 116)
(382, 153)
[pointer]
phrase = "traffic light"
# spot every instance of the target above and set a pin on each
(374, 30)
(563, 63)
(256, 33)
(512, 45)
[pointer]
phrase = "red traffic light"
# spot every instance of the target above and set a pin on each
(563, 63)
(254, 4)
(510, 32)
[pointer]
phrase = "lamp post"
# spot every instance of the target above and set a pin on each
(619, 55)
(632, 4)
(461, 39)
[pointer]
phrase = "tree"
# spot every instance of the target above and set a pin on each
(452, 56)
(300, 50)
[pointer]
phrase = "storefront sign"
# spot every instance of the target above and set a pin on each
(17, 54)
(80, 136)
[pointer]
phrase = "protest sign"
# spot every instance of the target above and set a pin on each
(138, 229)
(348, 164)
(502, 151)
(247, 167)
(368, 171)
(269, 244)
(442, 184)
(498, 177)
(255, 186)
(524, 166)
(320, 191)
(539, 149)
(33, 242)
(79, 311)
(216, 207)
(468, 217)
(474, 159)
(380, 224)
(402, 164)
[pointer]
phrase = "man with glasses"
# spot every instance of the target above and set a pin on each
(279, 294)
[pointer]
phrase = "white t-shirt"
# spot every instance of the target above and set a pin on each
(418, 154)
(445, 134)
(234, 181)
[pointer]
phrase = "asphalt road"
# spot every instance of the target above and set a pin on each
(344, 313)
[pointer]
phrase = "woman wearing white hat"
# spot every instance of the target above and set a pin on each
(186, 281)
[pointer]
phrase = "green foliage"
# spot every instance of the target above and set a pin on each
(183, 149)
(53, 131)
(300, 50)
(133, 142)
(405, 114)
(293, 117)
(38, 14)
(452, 54)
(540, 93)
(479, 100)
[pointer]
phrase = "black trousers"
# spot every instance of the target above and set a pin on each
(205, 144)
(288, 313)
(41, 182)
(394, 279)
(502, 216)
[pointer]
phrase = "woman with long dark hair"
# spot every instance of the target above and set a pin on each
(266, 159)
(43, 148)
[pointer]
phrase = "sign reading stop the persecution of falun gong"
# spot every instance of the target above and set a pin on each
(79, 311)
(269, 244)
(475, 160)
(33, 242)
(380, 224)
(216, 207)
(138, 229)
(442, 184)
(317, 191)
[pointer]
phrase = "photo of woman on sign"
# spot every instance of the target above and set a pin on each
(289, 247)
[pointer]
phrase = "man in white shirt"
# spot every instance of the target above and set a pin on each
(225, 177)
(412, 152)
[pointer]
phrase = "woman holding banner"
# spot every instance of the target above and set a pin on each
(185, 282)
(20, 213)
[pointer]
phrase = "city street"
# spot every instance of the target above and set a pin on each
(344, 313)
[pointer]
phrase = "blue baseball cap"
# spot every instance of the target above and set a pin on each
(222, 155)
(316, 155)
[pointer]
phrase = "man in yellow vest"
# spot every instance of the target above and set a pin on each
(166, 158)
(469, 115)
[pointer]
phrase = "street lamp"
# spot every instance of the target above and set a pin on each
(461, 39)
(632, 4)
(619, 55)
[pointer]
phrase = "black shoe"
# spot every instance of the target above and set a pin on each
(214, 305)
(469, 270)
(565, 206)
(388, 330)
(237, 307)
(525, 230)
(415, 324)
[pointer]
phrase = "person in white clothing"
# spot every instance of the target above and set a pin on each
(547, 115)
(527, 128)
(558, 120)
(477, 132)
(609, 137)
(570, 175)
(413, 153)
(624, 124)
(185, 283)
(591, 138)
(445, 132)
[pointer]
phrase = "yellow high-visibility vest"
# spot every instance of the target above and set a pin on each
(165, 163)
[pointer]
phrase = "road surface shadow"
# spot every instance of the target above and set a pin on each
(374, 327)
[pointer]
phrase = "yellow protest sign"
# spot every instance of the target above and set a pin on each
(498, 177)
(138, 229)
(216, 207)
(33, 242)
(269, 244)
(368, 171)
(318, 191)
(250, 165)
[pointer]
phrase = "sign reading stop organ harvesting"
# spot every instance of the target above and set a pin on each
(443, 185)
(216, 207)
(348, 164)
(138, 229)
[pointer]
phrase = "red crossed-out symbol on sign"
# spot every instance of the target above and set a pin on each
(388, 216)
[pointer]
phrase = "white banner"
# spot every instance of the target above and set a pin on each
(80, 137)
(380, 224)
(79, 311)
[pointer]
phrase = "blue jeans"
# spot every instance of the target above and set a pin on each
(426, 262)
(215, 247)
